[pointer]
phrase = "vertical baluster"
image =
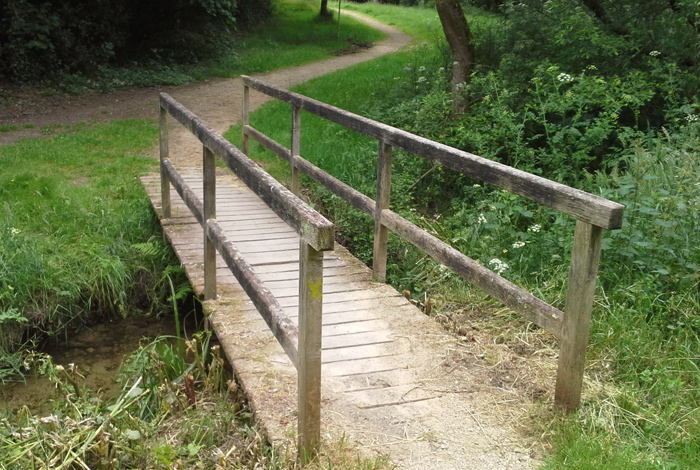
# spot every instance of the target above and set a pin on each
(209, 213)
(583, 271)
(296, 149)
(245, 118)
(381, 233)
(309, 373)
(164, 154)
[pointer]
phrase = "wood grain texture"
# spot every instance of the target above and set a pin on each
(318, 231)
(585, 257)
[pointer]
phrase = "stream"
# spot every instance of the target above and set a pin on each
(96, 350)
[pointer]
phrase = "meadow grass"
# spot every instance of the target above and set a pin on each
(73, 216)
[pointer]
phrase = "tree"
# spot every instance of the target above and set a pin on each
(459, 37)
(325, 12)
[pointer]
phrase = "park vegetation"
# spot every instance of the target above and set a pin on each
(599, 95)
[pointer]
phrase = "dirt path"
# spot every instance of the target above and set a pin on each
(217, 101)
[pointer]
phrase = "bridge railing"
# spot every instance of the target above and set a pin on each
(317, 234)
(593, 214)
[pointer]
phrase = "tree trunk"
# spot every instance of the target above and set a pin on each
(324, 9)
(459, 37)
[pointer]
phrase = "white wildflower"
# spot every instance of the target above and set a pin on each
(691, 117)
(455, 63)
(482, 219)
(14, 231)
(460, 86)
(498, 265)
(441, 69)
(535, 228)
(518, 244)
(655, 53)
(407, 69)
(421, 69)
(477, 186)
(591, 67)
(397, 78)
(421, 79)
(565, 78)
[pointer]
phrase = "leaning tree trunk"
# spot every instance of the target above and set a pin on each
(459, 37)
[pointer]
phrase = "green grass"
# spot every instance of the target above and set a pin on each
(73, 216)
(293, 36)
(641, 410)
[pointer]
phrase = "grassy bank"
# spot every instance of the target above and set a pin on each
(640, 405)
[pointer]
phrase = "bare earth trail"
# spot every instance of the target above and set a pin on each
(469, 416)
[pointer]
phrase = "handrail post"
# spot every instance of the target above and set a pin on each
(585, 257)
(209, 213)
(245, 117)
(309, 369)
(164, 154)
(296, 149)
(383, 199)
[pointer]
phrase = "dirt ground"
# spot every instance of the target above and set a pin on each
(512, 370)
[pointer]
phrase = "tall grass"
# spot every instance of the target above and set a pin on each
(72, 227)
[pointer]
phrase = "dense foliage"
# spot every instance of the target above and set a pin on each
(40, 39)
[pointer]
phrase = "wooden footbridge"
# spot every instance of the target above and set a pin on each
(323, 348)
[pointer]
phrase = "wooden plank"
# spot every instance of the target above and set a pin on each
(296, 147)
(512, 296)
(355, 352)
(209, 161)
(310, 293)
(282, 328)
(357, 339)
(364, 366)
(318, 231)
(164, 155)
(583, 271)
(580, 204)
(381, 233)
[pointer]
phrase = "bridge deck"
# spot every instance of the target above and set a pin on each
(390, 383)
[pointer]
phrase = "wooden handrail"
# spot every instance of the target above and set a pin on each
(593, 214)
(302, 344)
(315, 229)
(579, 204)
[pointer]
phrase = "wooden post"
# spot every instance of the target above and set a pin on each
(381, 233)
(309, 373)
(164, 154)
(583, 271)
(296, 149)
(209, 213)
(245, 118)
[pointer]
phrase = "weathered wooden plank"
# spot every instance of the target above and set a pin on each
(310, 292)
(309, 224)
(514, 297)
(357, 339)
(164, 155)
(364, 366)
(581, 205)
(296, 148)
(209, 163)
(381, 233)
(583, 271)
(282, 328)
